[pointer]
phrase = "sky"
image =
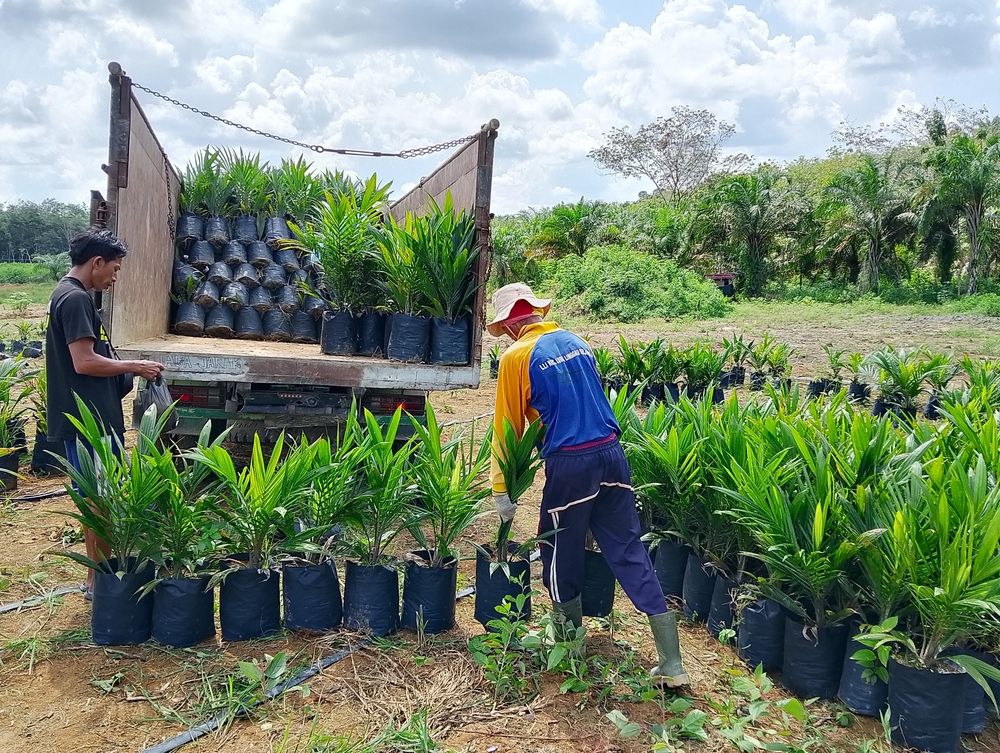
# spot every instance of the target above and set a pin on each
(395, 74)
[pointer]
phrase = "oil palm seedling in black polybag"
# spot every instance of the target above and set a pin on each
(113, 489)
(447, 474)
(254, 503)
(312, 593)
(292, 193)
(502, 567)
(790, 504)
(218, 195)
(45, 454)
(830, 382)
(942, 543)
(407, 329)
(371, 588)
(631, 363)
(16, 387)
(858, 390)
(901, 375)
(189, 317)
(664, 460)
(940, 370)
(247, 179)
(185, 527)
(737, 352)
(702, 370)
(446, 254)
(196, 184)
(344, 232)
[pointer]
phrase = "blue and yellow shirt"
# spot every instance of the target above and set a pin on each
(550, 373)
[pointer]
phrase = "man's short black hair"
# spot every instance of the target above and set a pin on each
(95, 241)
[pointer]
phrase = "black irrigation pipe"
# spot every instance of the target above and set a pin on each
(210, 725)
(51, 494)
(35, 601)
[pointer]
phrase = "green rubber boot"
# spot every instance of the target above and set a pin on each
(567, 618)
(669, 673)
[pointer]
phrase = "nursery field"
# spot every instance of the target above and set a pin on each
(414, 692)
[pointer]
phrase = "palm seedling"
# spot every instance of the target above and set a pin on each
(17, 385)
(218, 192)
(197, 182)
(294, 191)
(385, 509)
(604, 360)
(759, 359)
(113, 490)
(256, 502)
(778, 361)
(790, 504)
(702, 368)
(835, 363)
(902, 374)
(400, 270)
(183, 519)
(737, 353)
(519, 461)
(332, 502)
(942, 544)
(631, 363)
(248, 180)
(445, 253)
(345, 232)
(447, 475)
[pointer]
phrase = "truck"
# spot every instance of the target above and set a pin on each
(260, 388)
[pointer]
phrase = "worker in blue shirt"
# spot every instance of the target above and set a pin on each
(549, 373)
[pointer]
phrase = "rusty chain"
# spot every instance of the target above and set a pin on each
(170, 200)
(419, 151)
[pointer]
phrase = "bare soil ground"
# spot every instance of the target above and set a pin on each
(59, 692)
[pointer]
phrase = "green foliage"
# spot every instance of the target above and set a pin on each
(448, 476)
(443, 245)
(345, 231)
(569, 229)
(113, 489)
(29, 228)
(256, 502)
(293, 192)
(198, 182)
(56, 265)
(21, 273)
(247, 179)
(506, 666)
(519, 460)
(612, 282)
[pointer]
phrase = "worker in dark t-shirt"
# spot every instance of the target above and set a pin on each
(78, 356)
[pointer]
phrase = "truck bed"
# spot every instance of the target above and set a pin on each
(213, 360)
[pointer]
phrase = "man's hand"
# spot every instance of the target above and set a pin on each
(505, 508)
(148, 370)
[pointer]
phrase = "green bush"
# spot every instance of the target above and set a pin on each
(20, 273)
(619, 284)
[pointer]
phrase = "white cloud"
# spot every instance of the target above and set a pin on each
(392, 74)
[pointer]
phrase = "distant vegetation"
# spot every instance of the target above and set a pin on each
(906, 214)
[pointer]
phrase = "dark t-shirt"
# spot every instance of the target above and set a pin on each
(73, 316)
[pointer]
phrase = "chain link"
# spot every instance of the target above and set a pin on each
(318, 148)
(170, 200)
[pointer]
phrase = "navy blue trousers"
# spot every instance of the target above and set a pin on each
(592, 490)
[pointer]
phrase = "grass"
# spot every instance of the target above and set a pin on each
(36, 293)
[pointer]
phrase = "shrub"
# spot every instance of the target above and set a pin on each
(617, 283)
(21, 273)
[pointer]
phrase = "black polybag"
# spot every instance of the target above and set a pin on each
(118, 617)
(338, 335)
(371, 598)
(429, 597)
(249, 606)
(450, 343)
(814, 659)
(598, 585)
(312, 597)
(183, 611)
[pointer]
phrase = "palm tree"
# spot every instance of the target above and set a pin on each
(55, 264)
(870, 205)
(569, 229)
(750, 212)
(967, 169)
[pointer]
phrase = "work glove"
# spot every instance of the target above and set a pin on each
(505, 508)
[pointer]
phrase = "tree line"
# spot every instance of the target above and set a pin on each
(30, 229)
(915, 202)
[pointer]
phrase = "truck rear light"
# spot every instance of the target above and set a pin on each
(190, 396)
(387, 404)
